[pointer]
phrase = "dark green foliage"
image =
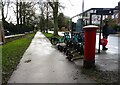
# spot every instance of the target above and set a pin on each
(116, 28)
(61, 20)
(17, 29)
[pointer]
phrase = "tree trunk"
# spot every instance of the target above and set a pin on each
(2, 24)
(119, 13)
(47, 19)
(20, 13)
(55, 15)
(55, 25)
(17, 10)
(24, 9)
(54, 6)
(2, 36)
(3, 18)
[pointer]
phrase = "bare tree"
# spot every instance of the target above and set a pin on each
(20, 13)
(44, 15)
(17, 11)
(54, 5)
(47, 16)
(2, 36)
(3, 5)
(25, 13)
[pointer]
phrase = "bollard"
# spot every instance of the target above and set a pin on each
(89, 46)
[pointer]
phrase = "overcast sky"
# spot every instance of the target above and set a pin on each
(74, 7)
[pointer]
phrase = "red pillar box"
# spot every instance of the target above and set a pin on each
(89, 46)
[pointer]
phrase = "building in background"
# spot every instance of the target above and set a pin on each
(117, 14)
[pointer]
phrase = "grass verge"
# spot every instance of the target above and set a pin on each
(12, 52)
(13, 38)
(50, 35)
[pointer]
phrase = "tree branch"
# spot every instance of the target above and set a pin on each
(13, 9)
(50, 3)
(8, 2)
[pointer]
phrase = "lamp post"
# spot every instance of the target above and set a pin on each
(82, 8)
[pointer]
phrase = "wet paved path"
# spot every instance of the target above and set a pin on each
(42, 63)
(106, 60)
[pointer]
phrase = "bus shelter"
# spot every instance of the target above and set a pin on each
(90, 16)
